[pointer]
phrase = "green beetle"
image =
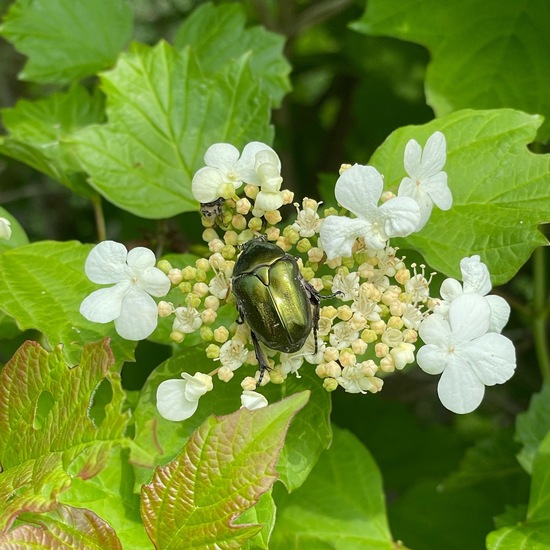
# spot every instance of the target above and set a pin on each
(279, 305)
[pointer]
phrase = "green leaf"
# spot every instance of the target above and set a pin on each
(110, 495)
(39, 131)
(534, 533)
(79, 529)
(157, 440)
(500, 190)
(67, 40)
(222, 471)
(532, 427)
(163, 114)
(217, 35)
(484, 55)
(42, 287)
(18, 235)
(340, 506)
(48, 436)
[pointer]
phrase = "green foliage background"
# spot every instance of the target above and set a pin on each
(114, 102)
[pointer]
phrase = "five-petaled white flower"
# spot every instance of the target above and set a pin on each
(252, 400)
(5, 228)
(476, 281)
(128, 303)
(179, 399)
(467, 356)
(359, 189)
(426, 182)
(226, 171)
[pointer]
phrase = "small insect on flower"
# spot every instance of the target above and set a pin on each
(278, 304)
(212, 211)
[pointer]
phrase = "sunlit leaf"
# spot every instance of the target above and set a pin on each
(499, 187)
(163, 115)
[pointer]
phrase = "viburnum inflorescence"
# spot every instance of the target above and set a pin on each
(372, 327)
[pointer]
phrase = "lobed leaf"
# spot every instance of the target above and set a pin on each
(48, 434)
(341, 505)
(222, 471)
(500, 190)
(217, 36)
(63, 527)
(163, 114)
(55, 285)
(484, 55)
(67, 40)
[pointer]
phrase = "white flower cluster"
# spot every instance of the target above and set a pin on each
(359, 190)
(384, 305)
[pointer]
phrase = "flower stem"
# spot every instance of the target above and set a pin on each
(541, 312)
(99, 218)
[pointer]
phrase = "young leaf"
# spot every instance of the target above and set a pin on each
(224, 468)
(532, 426)
(163, 114)
(534, 533)
(217, 35)
(67, 40)
(484, 56)
(341, 505)
(38, 131)
(47, 434)
(55, 285)
(79, 529)
(500, 190)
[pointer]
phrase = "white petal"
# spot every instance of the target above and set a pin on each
(435, 330)
(222, 156)
(197, 385)
(246, 166)
(106, 263)
(140, 258)
(104, 305)
(138, 315)
(268, 201)
(154, 282)
(5, 228)
(172, 403)
(338, 234)
(500, 312)
(434, 155)
(459, 389)
(401, 216)
(450, 289)
(475, 275)
(252, 400)
(469, 317)
(437, 188)
(432, 359)
(206, 184)
(413, 157)
(493, 358)
(358, 189)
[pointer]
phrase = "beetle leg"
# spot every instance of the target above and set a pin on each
(262, 363)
